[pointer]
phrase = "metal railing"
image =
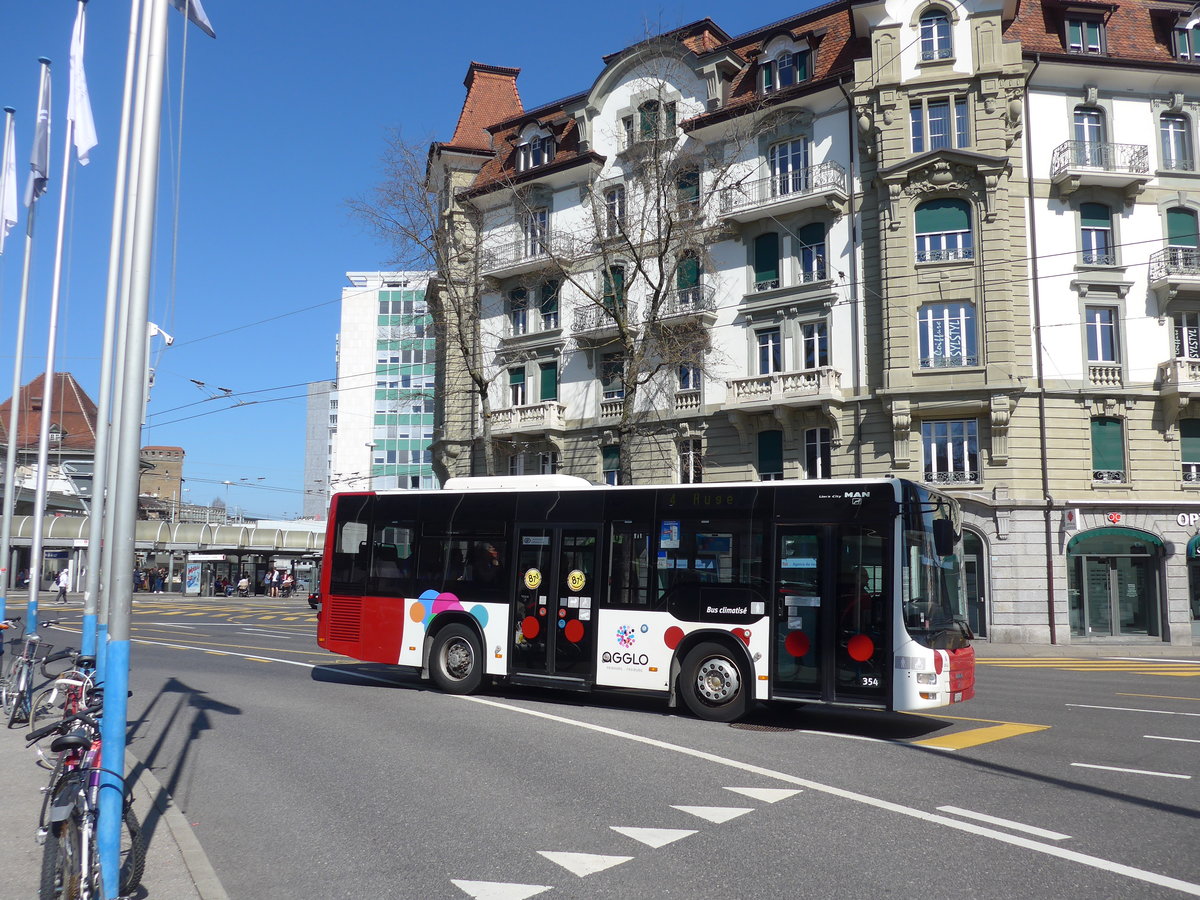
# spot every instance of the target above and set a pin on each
(812, 180)
(952, 477)
(1175, 261)
(528, 249)
(697, 298)
(1131, 158)
(594, 318)
(1108, 476)
(949, 254)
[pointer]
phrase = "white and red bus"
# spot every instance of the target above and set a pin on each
(715, 595)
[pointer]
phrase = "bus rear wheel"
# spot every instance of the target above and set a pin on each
(456, 660)
(714, 686)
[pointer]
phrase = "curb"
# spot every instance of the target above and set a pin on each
(208, 885)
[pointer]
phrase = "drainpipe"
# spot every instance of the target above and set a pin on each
(854, 292)
(1037, 361)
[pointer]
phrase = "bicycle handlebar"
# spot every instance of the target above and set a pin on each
(84, 716)
(55, 657)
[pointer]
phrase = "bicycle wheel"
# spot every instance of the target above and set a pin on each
(46, 706)
(133, 852)
(62, 861)
(19, 684)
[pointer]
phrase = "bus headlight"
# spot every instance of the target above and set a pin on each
(926, 678)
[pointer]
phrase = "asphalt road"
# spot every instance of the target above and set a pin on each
(308, 775)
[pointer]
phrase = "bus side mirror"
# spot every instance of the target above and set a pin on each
(944, 537)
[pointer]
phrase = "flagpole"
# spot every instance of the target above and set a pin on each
(125, 493)
(10, 460)
(5, 187)
(90, 643)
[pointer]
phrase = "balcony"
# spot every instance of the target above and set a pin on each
(610, 408)
(1077, 164)
(689, 401)
(820, 185)
(536, 418)
(691, 304)
(598, 324)
(806, 387)
(528, 254)
(1175, 273)
(1105, 375)
(1179, 379)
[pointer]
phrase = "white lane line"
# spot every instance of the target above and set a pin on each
(654, 837)
(1006, 823)
(278, 634)
(1130, 771)
(165, 624)
(498, 890)
(714, 814)
(583, 864)
(1186, 662)
(1161, 712)
(1159, 737)
(1095, 862)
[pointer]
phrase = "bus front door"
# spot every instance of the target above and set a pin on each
(554, 626)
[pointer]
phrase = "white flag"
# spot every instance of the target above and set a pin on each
(79, 107)
(39, 162)
(194, 10)
(8, 187)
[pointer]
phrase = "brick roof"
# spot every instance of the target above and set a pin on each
(491, 97)
(1134, 30)
(70, 407)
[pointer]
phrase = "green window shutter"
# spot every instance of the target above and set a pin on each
(1181, 228)
(943, 215)
(766, 257)
(687, 273)
(688, 186)
(611, 456)
(1108, 445)
(1095, 215)
(811, 235)
(549, 381)
(802, 60)
(770, 451)
(1189, 433)
(768, 76)
(1075, 34)
(516, 376)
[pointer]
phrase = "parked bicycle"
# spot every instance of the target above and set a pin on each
(16, 694)
(71, 813)
(68, 692)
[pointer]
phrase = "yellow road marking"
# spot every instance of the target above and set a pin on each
(1160, 697)
(933, 715)
(976, 736)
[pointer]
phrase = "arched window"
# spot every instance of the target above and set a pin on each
(812, 252)
(785, 69)
(1095, 235)
(1089, 147)
(935, 35)
(1175, 140)
(944, 231)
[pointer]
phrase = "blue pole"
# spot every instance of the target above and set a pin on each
(87, 643)
(101, 651)
(112, 785)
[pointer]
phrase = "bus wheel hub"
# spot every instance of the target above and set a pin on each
(717, 681)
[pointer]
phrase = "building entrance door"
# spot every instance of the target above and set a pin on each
(1114, 583)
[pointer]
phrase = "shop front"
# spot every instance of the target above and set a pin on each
(1114, 583)
(1193, 564)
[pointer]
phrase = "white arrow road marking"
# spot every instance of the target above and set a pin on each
(582, 864)
(766, 795)
(654, 837)
(499, 890)
(716, 814)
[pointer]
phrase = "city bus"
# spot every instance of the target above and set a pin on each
(713, 596)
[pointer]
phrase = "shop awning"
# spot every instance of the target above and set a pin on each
(1194, 547)
(1128, 534)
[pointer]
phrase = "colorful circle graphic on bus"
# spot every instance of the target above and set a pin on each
(576, 580)
(530, 628)
(672, 636)
(861, 648)
(797, 643)
(626, 636)
(431, 603)
(573, 631)
(533, 578)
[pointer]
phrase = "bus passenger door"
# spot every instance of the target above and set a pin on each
(800, 628)
(554, 629)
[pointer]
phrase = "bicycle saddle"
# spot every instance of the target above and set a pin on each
(76, 740)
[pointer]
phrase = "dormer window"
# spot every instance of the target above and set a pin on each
(1085, 34)
(935, 36)
(538, 151)
(784, 70)
(1184, 42)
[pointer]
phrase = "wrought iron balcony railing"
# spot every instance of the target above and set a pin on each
(1177, 262)
(824, 176)
(530, 248)
(1130, 158)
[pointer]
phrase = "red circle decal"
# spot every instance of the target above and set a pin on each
(743, 634)
(530, 627)
(937, 662)
(861, 648)
(673, 636)
(797, 643)
(573, 631)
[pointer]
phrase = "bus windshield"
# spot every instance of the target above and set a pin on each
(932, 586)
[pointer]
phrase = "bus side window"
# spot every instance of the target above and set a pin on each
(629, 565)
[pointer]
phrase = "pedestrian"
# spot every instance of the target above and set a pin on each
(64, 581)
(266, 583)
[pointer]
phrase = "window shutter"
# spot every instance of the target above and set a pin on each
(1094, 215)
(611, 456)
(549, 381)
(1181, 228)
(516, 376)
(766, 257)
(770, 452)
(1189, 433)
(1108, 445)
(802, 61)
(768, 76)
(687, 273)
(812, 235)
(943, 215)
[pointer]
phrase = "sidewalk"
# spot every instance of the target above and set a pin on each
(1091, 650)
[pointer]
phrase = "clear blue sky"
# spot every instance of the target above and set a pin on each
(283, 120)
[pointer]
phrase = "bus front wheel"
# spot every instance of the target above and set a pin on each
(456, 660)
(714, 686)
